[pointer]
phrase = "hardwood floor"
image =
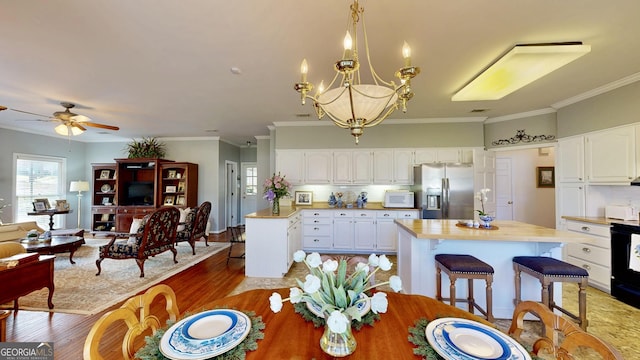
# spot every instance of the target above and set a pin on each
(209, 280)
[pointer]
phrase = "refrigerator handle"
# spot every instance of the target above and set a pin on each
(445, 198)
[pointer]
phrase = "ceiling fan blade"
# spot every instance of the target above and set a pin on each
(3, 108)
(27, 112)
(101, 126)
(76, 125)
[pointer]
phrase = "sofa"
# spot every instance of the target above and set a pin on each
(15, 231)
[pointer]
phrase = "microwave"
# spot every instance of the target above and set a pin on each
(398, 199)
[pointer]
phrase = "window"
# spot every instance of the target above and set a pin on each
(38, 177)
(251, 185)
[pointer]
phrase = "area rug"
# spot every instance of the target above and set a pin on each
(79, 291)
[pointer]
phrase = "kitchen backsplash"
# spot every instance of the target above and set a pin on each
(321, 193)
(599, 196)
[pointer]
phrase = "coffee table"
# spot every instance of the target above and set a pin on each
(57, 244)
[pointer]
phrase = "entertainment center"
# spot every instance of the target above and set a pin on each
(132, 188)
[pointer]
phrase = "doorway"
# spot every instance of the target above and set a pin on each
(504, 189)
(232, 180)
(249, 178)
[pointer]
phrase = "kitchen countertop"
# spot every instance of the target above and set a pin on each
(287, 211)
(601, 220)
(507, 231)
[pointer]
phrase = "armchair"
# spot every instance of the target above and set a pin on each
(195, 226)
(156, 234)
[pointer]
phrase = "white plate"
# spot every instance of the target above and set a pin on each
(461, 339)
(205, 335)
(105, 188)
(363, 307)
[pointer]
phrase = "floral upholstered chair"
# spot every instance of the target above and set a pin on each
(195, 226)
(156, 234)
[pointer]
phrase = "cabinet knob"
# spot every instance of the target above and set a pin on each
(316, 221)
(580, 180)
(586, 267)
(586, 249)
(386, 215)
(315, 228)
(316, 214)
(315, 240)
(586, 228)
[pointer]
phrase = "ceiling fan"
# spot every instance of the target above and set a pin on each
(70, 123)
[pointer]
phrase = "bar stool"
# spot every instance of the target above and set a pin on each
(464, 267)
(549, 270)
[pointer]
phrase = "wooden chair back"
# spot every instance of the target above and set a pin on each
(159, 231)
(560, 337)
(136, 314)
(200, 222)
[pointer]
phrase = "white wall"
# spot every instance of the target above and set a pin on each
(532, 205)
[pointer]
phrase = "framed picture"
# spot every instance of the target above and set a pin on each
(105, 174)
(304, 197)
(181, 186)
(62, 205)
(171, 174)
(180, 200)
(39, 206)
(105, 217)
(171, 189)
(47, 206)
(168, 200)
(106, 201)
(546, 176)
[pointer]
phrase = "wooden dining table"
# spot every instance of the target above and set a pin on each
(288, 336)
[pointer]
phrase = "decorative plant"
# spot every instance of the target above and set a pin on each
(276, 187)
(482, 196)
(147, 147)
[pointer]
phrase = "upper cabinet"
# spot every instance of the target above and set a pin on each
(352, 167)
(290, 163)
(443, 155)
(610, 156)
(570, 159)
(318, 167)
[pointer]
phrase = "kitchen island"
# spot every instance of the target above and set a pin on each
(420, 240)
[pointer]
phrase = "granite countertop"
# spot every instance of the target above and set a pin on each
(507, 231)
(600, 220)
(287, 211)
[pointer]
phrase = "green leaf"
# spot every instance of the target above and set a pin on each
(341, 298)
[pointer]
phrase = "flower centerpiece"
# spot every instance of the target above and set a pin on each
(339, 296)
(275, 188)
(485, 217)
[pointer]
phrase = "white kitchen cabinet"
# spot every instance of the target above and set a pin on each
(442, 155)
(571, 199)
(267, 238)
(318, 167)
(570, 159)
(342, 166)
(290, 163)
(294, 236)
(383, 166)
(362, 167)
(317, 229)
(343, 230)
(595, 257)
(352, 167)
(386, 231)
(364, 229)
(393, 167)
(610, 156)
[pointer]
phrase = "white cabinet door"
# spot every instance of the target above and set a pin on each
(571, 200)
(383, 167)
(290, 163)
(426, 156)
(342, 161)
(362, 167)
(386, 230)
(318, 167)
(570, 159)
(403, 167)
(343, 230)
(364, 229)
(294, 237)
(610, 156)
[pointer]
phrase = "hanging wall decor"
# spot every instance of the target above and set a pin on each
(521, 136)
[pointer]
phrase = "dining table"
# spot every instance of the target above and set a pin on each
(288, 336)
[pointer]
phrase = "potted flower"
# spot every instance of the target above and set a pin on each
(339, 296)
(276, 187)
(485, 217)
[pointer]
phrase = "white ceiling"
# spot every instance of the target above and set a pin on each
(162, 68)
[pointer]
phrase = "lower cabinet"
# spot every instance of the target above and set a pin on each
(126, 214)
(595, 257)
(352, 230)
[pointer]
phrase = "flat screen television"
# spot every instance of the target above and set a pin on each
(139, 193)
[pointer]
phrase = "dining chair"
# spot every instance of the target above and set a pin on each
(560, 337)
(238, 236)
(136, 314)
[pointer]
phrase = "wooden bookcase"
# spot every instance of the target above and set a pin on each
(179, 184)
(103, 197)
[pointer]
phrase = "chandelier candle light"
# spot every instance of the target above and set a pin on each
(338, 296)
(351, 104)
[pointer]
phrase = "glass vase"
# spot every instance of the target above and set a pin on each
(275, 207)
(338, 345)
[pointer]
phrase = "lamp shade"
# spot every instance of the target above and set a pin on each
(79, 186)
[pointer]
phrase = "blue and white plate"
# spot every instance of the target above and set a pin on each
(363, 307)
(462, 339)
(204, 335)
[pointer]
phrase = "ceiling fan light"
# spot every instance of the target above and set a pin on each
(66, 130)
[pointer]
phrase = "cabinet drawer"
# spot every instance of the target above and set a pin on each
(411, 214)
(364, 214)
(590, 253)
(104, 210)
(342, 214)
(597, 273)
(316, 214)
(317, 242)
(592, 229)
(385, 214)
(315, 221)
(317, 230)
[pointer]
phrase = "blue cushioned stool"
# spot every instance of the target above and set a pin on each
(464, 267)
(549, 270)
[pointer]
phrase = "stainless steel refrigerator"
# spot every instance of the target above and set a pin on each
(444, 191)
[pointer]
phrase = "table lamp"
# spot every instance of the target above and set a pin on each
(79, 186)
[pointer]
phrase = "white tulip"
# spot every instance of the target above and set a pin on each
(312, 284)
(314, 260)
(362, 267)
(299, 256)
(330, 266)
(295, 295)
(395, 282)
(379, 302)
(276, 302)
(338, 322)
(373, 260)
(385, 264)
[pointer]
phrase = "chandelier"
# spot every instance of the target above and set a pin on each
(352, 104)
